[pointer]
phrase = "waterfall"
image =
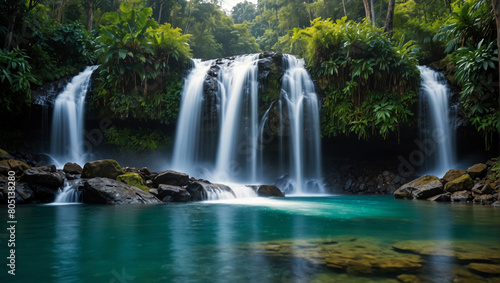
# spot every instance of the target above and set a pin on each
(437, 130)
(68, 120)
(222, 132)
(69, 193)
(302, 108)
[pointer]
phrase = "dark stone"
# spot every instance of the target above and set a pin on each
(107, 168)
(169, 193)
(267, 191)
(200, 190)
(131, 170)
(47, 168)
(172, 178)
(43, 178)
(44, 194)
(477, 170)
(12, 165)
(441, 198)
(496, 203)
(109, 191)
(452, 175)
(71, 176)
(72, 168)
(461, 196)
(348, 185)
(487, 189)
(477, 188)
(145, 171)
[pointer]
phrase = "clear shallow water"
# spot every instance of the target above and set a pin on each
(233, 241)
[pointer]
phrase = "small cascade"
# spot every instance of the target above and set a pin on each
(302, 108)
(69, 193)
(436, 124)
(68, 120)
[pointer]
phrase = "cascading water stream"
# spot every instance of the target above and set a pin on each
(69, 193)
(436, 122)
(68, 120)
(239, 129)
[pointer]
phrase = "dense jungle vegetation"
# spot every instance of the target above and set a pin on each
(363, 53)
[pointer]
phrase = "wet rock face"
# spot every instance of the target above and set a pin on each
(106, 168)
(167, 193)
(108, 191)
(46, 95)
(173, 178)
(422, 188)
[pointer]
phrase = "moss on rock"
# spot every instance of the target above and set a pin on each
(133, 179)
(107, 168)
(462, 183)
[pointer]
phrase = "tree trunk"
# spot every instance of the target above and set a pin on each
(343, 5)
(496, 10)
(372, 9)
(11, 24)
(90, 14)
(159, 13)
(60, 12)
(389, 21)
(367, 9)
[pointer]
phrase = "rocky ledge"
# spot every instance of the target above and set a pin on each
(106, 182)
(479, 184)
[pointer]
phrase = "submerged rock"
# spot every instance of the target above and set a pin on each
(422, 188)
(109, 191)
(172, 178)
(106, 168)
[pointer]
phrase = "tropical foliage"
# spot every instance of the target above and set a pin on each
(369, 82)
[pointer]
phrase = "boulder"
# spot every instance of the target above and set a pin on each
(442, 197)
(23, 193)
(44, 194)
(172, 178)
(483, 199)
(133, 179)
(462, 183)
(145, 171)
(168, 193)
(47, 168)
(106, 168)
(496, 203)
(43, 178)
(422, 188)
(486, 268)
(461, 196)
(131, 170)
(267, 191)
(200, 190)
(72, 168)
(487, 189)
(477, 189)
(452, 175)
(477, 170)
(109, 191)
(12, 165)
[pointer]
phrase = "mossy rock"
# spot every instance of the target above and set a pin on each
(12, 165)
(133, 179)
(107, 168)
(4, 155)
(462, 183)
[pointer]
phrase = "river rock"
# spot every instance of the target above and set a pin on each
(133, 179)
(441, 198)
(496, 203)
(200, 190)
(145, 171)
(267, 190)
(452, 175)
(44, 194)
(109, 191)
(43, 178)
(487, 268)
(107, 168)
(169, 193)
(477, 170)
(422, 188)
(461, 196)
(47, 168)
(12, 165)
(487, 189)
(172, 178)
(72, 168)
(484, 199)
(461, 183)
